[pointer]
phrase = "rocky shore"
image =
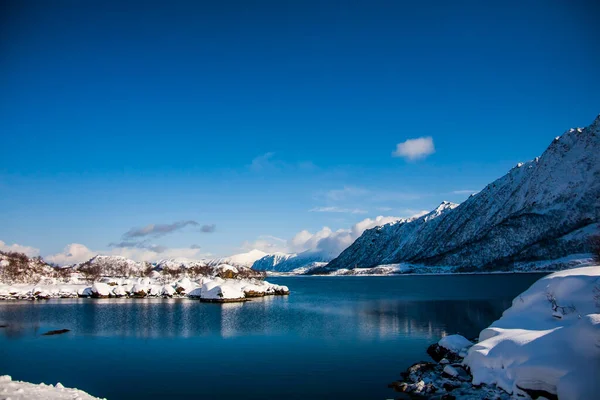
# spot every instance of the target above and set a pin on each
(447, 377)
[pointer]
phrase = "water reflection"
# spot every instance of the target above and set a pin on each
(151, 318)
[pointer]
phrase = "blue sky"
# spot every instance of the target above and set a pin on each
(265, 119)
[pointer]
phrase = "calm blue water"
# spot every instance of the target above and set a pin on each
(332, 338)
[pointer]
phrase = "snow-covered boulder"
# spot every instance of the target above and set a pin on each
(224, 291)
(84, 292)
(100, 289)
(119, 291)
(184, 285)
(455, 343)
(167, 290)
(530, 349)
(140, 290)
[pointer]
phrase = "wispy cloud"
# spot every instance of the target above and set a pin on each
(333, 209)
(158, 230)
(414, 149)
(208, 228)
(262, 162)
(268, 162)
(139, 245)
(345, 193)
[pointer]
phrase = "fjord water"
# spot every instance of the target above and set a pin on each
(333, 337)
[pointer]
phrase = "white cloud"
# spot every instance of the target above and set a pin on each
(334, 209)
(27, 250)
(324, 240)
(267, 243)
(72, 253)
(414, 149)
(76, 253)
(419, 214)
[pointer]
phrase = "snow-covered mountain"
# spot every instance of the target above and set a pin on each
(282, 262)
(543, 209)
(238, 260)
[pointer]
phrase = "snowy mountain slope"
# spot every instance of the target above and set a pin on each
(545, 208)
(238, 260)
(281, 262)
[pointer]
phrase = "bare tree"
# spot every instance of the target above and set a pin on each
(62, 273)
(171, 273)
(91, 272)
(147, 270)
(198, 271)
(17, 266)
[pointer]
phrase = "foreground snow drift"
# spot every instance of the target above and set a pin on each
(17, 390)
(204, 289)
(549, 340)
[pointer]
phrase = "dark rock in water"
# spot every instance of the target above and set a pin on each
(534, 394)
(418, 369)
(3, 326)
(450, 386)
(57, 332)
(438, 352)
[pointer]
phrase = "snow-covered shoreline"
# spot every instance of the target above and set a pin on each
(215, 289)
(546, 344)
(19, 390)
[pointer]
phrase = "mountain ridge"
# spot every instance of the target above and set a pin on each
(541, 201)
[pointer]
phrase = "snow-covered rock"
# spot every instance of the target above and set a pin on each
(455, 343)
(18, 390)
(529, 348)
(222, 290)
(543, 209)
(100, 289)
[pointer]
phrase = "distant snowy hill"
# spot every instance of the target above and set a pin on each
(543, 209)
(115, 265)
(238, 260)
(281, 262)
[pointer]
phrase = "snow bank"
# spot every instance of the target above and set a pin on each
(17, 390)
(549, 340)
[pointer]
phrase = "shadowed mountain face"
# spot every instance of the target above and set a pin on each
(543, 209)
